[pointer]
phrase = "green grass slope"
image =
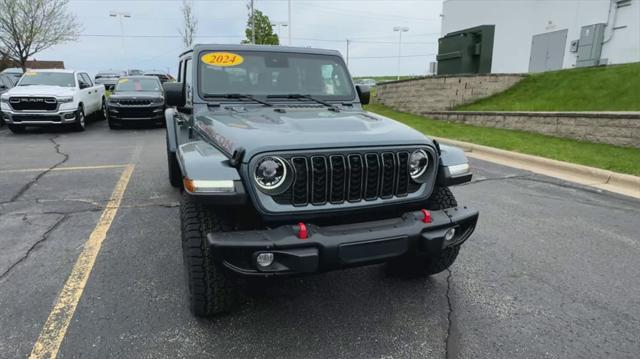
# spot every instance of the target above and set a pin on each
(607, 88)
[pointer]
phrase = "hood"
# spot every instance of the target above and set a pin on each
(41, 90)
(136, 94)
(265, 130)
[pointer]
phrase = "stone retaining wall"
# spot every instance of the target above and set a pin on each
(621, 128)
(435, 93)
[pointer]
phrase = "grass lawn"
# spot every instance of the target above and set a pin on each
(618, 159)
(606, 88)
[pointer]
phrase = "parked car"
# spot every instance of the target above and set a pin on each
(135, 72)
(52, 98)
(109, 78)
(285, 175)
(14, 72)
(7, 81)
(162, 76)
(136, 98)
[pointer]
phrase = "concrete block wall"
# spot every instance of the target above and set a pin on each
(437, 93)
(620, 129)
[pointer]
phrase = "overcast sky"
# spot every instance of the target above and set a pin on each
(152, 41)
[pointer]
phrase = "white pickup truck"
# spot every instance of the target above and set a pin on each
(52, 98)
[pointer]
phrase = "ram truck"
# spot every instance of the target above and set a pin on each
(283, 173)
(52, 98)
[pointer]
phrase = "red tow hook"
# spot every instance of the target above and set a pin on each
(427, 216)
(302, 231)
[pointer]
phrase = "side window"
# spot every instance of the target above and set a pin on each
(81, 81)
(188, 81)
(86, 79)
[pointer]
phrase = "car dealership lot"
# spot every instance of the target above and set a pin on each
(551, 271)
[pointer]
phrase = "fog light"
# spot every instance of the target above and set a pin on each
(264, 259)
(450, 233)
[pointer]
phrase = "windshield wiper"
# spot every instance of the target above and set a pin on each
(307, 97)
(239, 96)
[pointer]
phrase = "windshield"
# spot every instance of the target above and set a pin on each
(48, 78)
(139, 84)
(260, 73)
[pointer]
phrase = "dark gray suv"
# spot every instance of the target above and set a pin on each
(284, 173)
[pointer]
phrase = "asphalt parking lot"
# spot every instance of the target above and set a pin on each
(552, 270)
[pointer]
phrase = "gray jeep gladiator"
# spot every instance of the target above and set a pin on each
(284, 173)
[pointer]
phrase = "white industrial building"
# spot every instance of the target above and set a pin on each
(543, 35)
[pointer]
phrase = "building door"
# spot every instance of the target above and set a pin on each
(547, 51)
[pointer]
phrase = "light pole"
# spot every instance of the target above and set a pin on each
(253, 25)
(289, 21)
(400, 30)
(120, 15)
(348, 42)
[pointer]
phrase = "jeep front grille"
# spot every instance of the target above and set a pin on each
(350, 177)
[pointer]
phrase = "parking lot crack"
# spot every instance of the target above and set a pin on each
(43, 238)
(25, 188)
(448, 339)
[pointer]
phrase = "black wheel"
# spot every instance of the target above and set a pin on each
(175, 175)
(103, 115)
(212, 289)
(81, 121)
(412, 266)
(114, 124)
(16, 128)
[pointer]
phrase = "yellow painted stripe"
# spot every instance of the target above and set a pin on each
(55, 328)
(78, 168)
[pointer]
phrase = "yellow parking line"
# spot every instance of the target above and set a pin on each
(78, 168)
(55, 328)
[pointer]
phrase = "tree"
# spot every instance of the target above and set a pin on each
(264, 30)
(190, 25)
(28, 27)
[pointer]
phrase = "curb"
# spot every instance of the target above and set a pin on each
(595, 177)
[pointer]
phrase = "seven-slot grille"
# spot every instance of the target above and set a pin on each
(135, 102)
(339, 178)
(34, 103)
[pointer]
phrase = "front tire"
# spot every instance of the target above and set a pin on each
(211, 288)
(413, 266)
(81, 121)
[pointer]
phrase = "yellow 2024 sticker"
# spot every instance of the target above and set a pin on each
(30, 73)
(121, 81)
(222, 59)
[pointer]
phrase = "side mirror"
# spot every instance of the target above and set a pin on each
(83, 85)
(174, 94)
(364, 94)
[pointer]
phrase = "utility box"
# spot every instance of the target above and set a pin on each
(468, 51)
(590, 45)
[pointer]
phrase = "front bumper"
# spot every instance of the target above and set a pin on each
(136, 113)
(333, 247)
(43, 118)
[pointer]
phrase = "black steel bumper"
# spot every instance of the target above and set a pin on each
(334, 247)
(131, 113)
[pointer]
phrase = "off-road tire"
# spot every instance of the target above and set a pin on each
(16, 128)
(441, 198)
(211, 288)
(102, 114)
(414, 266)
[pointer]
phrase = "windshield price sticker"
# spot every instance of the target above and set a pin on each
(222, 59)
(121, 81)
(30, 73)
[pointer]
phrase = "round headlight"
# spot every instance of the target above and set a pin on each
(418, 163)
(270, 173)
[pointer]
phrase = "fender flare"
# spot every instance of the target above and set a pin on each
(172, 136)
(453, 167)
(211, 176)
